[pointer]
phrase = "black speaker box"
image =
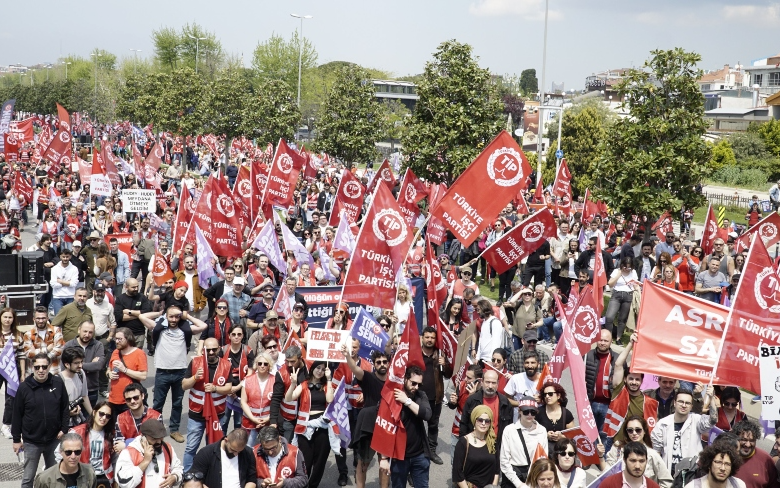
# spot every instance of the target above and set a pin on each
(9, 269)
(32, 268)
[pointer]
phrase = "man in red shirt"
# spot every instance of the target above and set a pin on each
(758, 469)
(633, 474)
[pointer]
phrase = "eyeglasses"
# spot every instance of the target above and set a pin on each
(263, 364)
(722, 463)
(532, 413)
(480, 420)
(221, 307)
(570, 454)
(215, 349)
(550, 393)
(298, 310)
(271, 346)
(41, 367)
(635, 430)
(197, 476)
(531, 342)
(684, 403)
(133, 398)
(379, 363)
(415, 383)
(730, 404)
(466, 273)
(104, 415)
(69, 452)
(496, 360)
(271, 449)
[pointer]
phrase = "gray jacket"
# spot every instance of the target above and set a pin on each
(52, 478)
(91, 367)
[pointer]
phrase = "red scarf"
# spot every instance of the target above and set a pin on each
(220, 333)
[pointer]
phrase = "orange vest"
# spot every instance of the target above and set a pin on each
(284, 469)
(259, 401)
(83, 432)
(126, 422)
(137, 456)
(618, 409)
(457, 289)
(304, 406)
(221, 378)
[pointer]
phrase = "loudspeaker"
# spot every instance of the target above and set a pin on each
(24, 305)
(9, 269)
(32, 268)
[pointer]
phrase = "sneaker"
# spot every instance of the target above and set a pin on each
(6, 431)
(753, 400)
(343, 480)
(436, 459)
(177, 437)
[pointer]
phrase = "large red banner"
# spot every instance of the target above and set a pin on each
(226, 222)
(382, 244)
(286, 166)
(584, 321)
(258, 177)
(483, 190)
(11, 147)
(768, 228)
(562, 185)
(679, 334)
(754, 320)
(412, 191)
(154, 158)
(23, 130)
(435, 287)
(349, 199)
(520, 241)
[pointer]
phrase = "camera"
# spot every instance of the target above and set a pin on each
(76, 403)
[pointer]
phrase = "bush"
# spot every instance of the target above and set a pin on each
(752, 177)
(728, 175)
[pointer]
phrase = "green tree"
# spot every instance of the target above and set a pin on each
(167, 43)
(271, 113)
(397, 116)
(208, 49)
(223, 104)
(277, 59)
(722, 155)
(457, 115)
(770, 133)
(351, 120)
(748, 145)
(529, 83)
(654, 157)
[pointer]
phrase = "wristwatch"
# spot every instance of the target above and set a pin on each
(408, 402)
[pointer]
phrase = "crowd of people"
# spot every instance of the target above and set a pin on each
(82, 367)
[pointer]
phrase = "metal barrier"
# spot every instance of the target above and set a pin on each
(724, 200)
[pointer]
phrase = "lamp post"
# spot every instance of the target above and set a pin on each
(66, 69)
(541, 97)
(135, 64)
(300, 52)
(197, 48)
(560, 124)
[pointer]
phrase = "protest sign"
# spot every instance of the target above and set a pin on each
(138, 201)
(369, 333)
(769, 365)
(325, 344)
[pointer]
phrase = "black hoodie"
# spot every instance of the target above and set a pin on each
(40, 410)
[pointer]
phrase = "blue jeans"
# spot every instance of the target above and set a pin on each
(164, 380)
(237, 416)
(195, 430)
(599, 415)
(558, 330)
(547, 326)
(417, 466)
(547, 272)
(58, 303)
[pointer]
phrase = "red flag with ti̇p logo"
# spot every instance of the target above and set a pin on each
(538, 197)
(768, 228)
(349, 199)
(663, 225)
(258, 177)
(161, 271)
(435, 288)
(184, 213)
(712, 232)
(286, 166)
(562, 185)
(412, 191)
(436, 231)
(520, 241)
(468, 208)
(585, 322)
(213, 426)
(389, 432)
(385, 174)
(586, 450)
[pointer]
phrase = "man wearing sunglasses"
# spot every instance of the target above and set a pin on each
(227, 463)
(70, 471)
(128, 423)
(516, 452)
(40, 417)
(259, 310)
(149, 461)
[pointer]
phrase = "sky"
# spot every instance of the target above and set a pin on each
(400, 36)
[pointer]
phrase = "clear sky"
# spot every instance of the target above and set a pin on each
(399, 36)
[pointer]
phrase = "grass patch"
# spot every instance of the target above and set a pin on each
(735, 214)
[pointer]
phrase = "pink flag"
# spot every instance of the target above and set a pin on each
(267, 242)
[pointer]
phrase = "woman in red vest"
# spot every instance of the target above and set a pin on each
(728, 412)
(313, 397)
(341, 319)
(256, 397)
(99, 425)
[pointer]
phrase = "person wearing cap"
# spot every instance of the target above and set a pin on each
(149, 461)
(258, 312)
(90, 254)
(270, 327)
(516, 453)
(516, 362)
(194, 291)
(458, 285)
(238, 301)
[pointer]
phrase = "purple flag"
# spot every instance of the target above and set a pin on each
(266, 241)
(369, 333)
(344, 239)
(291, 243)
(8, 367)
(325, 264)
(582, 240)
(714, 432)
(615, 469)
(338, 413)
(205, 257)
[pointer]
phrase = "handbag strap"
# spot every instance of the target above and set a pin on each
(525, 448)
(463, 469)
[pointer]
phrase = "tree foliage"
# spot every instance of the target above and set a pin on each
(277, 59)
(271, 113)
(722, 155)
(529, 83)
(174, 49)
(351, 120)
(770, 133)
(748, 145)
(653, 158)
(457, 114)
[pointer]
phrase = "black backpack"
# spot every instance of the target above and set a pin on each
(686, 471)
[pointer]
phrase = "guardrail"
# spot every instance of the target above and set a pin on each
(724, 200)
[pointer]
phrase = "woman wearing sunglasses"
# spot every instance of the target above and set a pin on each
(728, 412)
(554, 417)
(635, 429)
(453, 316)
(474, 462)
(341, 319)
(256, 396)
(516, 451)
(569, 474)
(98, 430)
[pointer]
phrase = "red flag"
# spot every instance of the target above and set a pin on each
(286, 166)
(99, 184)
(520, 241)
(225, 223)
(349, 199)
(258, 177)
(591, 209)
(412, 191)
(161, 270)
(768, 228)
(154, 158)
(213, 426)
(544, 377)
(184, 213)
(202, 215)
(435, 287)
(577, 367)
(385, 174)
(599, 278)
(24, 130)
(663, 225)
(562, 186)
(586, 450)
(380, 251)
(711, 232)
(539, 453)
(110, 164)
(436, 231)
(389, 432)
(521, 205)
(60, 148)
(468, 208)
(754, 319)
(23, 189)
(64, 117)
(538, 193)
(11, 148)
(309, 169)
(585, 322)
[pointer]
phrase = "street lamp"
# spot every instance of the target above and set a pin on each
(135, 64)
(197, 48)
(300, 52)
(32, 77)
(66, 69)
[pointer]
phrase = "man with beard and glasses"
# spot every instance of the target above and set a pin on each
(70, 471)
(416, 410)
(211, 378)
(370, 384)
(227, 463)
(758, 469)
(633, 474)
(524, 384)
(128, 308)
(149, 461)
(44, 338)
(678, 435)
(721, 462)
(128, 423)
(516, 361)
(488, 395)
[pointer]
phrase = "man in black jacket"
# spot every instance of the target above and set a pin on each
(209, 462)
(599, 367)
(128, 308)
(40, 417)
(586, 260)
(486, 396)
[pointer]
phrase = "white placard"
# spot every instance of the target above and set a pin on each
(139, 201)
(769, 366)
(325, 344)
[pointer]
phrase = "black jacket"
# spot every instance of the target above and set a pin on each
(506, 415)
(584, 261)
(278, 395)
(209, 462)
(638, 261)
(40, 411)
(591, 371)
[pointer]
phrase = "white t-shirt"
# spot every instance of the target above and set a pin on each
(520, 385)
(172, 349)
(229, 471)
(272, 463)
(491, 337)
(623, 281)
(96, 439)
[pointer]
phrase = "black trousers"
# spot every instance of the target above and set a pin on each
(504, 282)
(140, 268)
(315, 455)
(537, 273)
(433, 425)
(9, 404)
(341, 457)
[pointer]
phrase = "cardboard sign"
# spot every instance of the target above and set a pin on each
(325, 344)
(769, 365)
(139, 201)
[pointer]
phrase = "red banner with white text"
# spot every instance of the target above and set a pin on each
(349, 199)
(520, 241)
(562, 185)
(412, 191)
(286, 166)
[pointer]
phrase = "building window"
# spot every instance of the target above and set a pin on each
(705, 87)
(758, 80)
(774, 79)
